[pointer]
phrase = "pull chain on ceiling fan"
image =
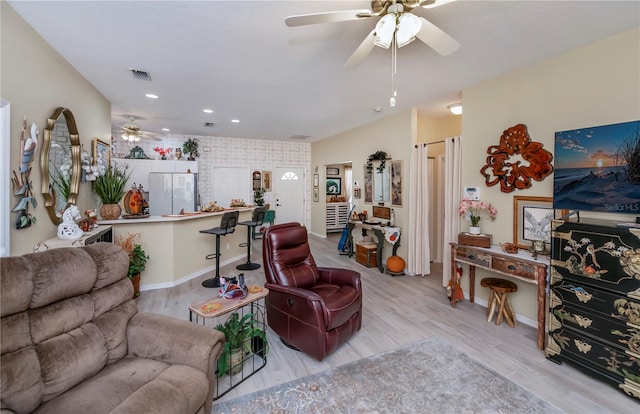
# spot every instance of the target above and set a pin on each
(396, 28)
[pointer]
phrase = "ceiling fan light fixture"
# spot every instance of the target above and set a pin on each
(385, 28)
(455, 108)
(408, 27)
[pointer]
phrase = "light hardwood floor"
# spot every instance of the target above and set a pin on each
(399, 311)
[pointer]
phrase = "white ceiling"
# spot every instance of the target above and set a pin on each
(241, 60)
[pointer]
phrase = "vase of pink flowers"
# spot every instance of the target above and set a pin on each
(162, 151)
(476, 210)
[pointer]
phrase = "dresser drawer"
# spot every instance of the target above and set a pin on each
(618, 307)
(521, 269)
(605, 360)
(473, 256)
(604, 257)
(625, 336)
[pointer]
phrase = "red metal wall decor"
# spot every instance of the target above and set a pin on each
(512, 174)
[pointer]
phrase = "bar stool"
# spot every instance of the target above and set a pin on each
(499, 298)
(227, 226)
(256, 220)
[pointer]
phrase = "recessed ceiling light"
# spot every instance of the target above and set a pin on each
(455, 108)
(152, 96)
(166, 129)
(207, 111)
(377, 109)
(235, 121)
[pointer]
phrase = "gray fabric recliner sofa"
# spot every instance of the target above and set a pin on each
(72, 340)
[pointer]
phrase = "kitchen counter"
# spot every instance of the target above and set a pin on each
(177, 249)
(173, 217)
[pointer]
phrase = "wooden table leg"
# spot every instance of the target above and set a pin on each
(542, 285)
(491, 308)
(472, 283)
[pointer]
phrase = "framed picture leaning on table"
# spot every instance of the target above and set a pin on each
(532, 220)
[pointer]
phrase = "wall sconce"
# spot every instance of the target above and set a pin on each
(455, 108)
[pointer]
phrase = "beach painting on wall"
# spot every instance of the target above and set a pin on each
(598, 169)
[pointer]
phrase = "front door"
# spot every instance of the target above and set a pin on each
(289, 192)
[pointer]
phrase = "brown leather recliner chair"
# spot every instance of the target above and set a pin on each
(312, 309)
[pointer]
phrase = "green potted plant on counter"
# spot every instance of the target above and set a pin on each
(190, 146)
(242, 336)
(110, 188)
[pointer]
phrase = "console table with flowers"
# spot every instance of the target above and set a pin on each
(521, 266)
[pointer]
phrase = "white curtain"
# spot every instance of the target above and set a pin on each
(348, 178)
(453, 190)
(419, 251)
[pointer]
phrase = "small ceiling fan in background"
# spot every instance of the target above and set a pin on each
(396, 26)
(132, 132)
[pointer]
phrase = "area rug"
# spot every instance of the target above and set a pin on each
(430, 376)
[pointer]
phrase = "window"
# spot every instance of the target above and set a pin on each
(289, 175)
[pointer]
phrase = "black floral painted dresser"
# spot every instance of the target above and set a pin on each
(594, 301)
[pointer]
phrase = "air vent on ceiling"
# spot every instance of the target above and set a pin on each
(140, 74)
(209, 124)
(300, 137)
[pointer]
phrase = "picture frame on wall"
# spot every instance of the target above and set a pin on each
(316, 194)
(396, 183)
(101, 153)
(334, 186)
(316, 180)
(357, 192)
(368, 186)
(532, 220)
(266, 180)
(333, 171)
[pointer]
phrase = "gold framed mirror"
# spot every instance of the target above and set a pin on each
(60, 163)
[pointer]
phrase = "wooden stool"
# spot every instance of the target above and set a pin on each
(499, 298)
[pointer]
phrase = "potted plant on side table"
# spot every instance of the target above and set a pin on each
(110, 188)
(242, 337)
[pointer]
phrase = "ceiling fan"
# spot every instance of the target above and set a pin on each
(132, 132)
(396, 27)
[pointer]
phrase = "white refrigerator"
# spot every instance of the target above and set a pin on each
(169, 193)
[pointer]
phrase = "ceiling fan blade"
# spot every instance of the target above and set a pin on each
(362, 51)
(436, 3)
(436, 39)
(326, 17)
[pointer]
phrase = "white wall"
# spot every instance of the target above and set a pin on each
(594, 85)
(394, 134)
(35, 81)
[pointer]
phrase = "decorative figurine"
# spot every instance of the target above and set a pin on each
(69, 229)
